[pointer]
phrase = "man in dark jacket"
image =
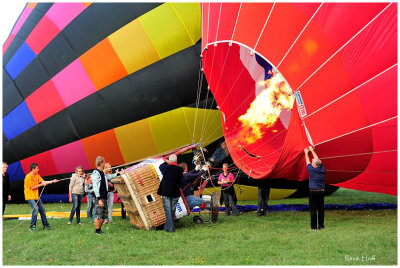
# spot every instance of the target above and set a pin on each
(316, 171)
(187, 184)
(169, 189)
(6, 186)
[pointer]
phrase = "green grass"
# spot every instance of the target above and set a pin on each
(280, 238)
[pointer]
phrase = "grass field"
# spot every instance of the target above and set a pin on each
(280, 238)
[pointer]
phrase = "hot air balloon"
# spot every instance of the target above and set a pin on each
(111, 79)
(287, 75)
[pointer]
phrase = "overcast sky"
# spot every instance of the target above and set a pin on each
(9, 13)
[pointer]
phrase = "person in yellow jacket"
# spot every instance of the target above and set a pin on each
(32, 183)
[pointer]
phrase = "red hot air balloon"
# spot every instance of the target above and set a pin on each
(306, 73)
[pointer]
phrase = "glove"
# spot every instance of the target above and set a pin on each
(205, 168)
(198, 167)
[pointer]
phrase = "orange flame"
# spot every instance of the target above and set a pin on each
(265, 109)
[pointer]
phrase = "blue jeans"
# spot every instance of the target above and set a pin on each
(90, 206)
(110, 205)
(76, 207)
(37, 208)
(193, 201)
(169, 204)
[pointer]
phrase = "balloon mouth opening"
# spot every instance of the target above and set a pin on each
(255, 101)
(267, 114)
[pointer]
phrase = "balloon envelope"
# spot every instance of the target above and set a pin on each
(339, 61)
(110, 79)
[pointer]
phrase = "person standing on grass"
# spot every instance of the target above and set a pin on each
(111, 193)
(100, 188)
(226, 180)
(76, 192)
(264, 188)
(169, 189)
(6, 187)
(32, 182)
(317, 172)
(90, 197)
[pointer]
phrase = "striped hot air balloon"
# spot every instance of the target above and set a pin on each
(111, 79)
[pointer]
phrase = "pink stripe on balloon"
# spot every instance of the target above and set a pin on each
(25, 14)
(69, 156)
(61, 14)
(73, 83)
(8, 42)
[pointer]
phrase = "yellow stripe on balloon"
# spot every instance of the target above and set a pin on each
(190, 17)
(166, 30)
(136, 140)
(134, 47)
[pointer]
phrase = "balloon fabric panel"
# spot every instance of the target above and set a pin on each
(42, 34)
(134, 36)
(170, 130)
(205, 123)
(10, 93)
(21, 59)
(31, 78)
(58, 54)
(69, 156)
(103, 65)
(278, 37)
(15, 171)
(45, 161)
(44, 102)
(166, 31)
(104, 144)
(190, 17)
(73, 83)
(17, 121)
(247, 32)
(136, 140)
(61, 14)
(227, 21)
(8, 42)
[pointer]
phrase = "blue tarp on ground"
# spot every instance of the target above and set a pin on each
(300, 207)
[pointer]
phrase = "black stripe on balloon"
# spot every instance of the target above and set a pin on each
(36, 15)
(11, 96)
(94, 24)
(100, 20)
(31, 78)
(163, 86)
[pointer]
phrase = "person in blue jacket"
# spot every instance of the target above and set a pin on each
(187, 184)
(317, 172)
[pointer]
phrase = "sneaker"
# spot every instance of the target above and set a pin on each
(80, 223)
(47, 227)
(32, 229)
(69, 223)
(98, 232)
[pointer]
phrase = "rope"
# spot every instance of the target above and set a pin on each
(237, 18)
(262, 31)
(15, 227)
